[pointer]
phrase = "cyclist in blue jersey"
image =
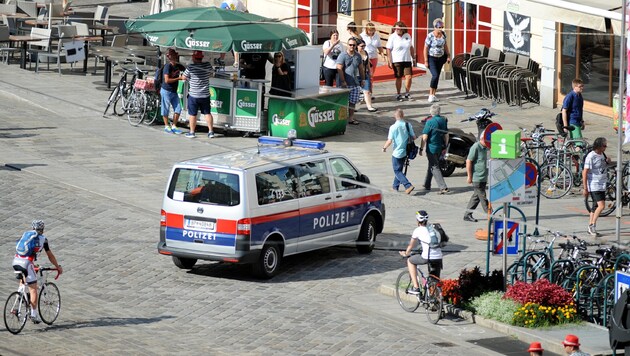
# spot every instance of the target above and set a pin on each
(26, 265)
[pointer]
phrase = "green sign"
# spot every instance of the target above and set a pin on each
(246, 103)
(505, 144)
(321, 116)
(220, 99)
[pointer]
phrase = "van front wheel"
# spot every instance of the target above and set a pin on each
(268, 262)
(184, 263)
(367, 236)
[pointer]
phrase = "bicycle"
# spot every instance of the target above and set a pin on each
(119, 96)
(17, 309)
(430, 294)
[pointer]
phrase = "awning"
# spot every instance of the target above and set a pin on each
(584, 13)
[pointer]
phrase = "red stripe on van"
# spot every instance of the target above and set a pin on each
(317, 208)
(357, 201)
(273, 217)
(223, 225)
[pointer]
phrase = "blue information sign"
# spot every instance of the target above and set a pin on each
(622, 282)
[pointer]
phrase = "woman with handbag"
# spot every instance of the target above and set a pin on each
(331, 48)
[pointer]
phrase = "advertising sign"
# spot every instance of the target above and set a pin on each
(517, 34)
(311, 117)
(246, 103)
(220, 99)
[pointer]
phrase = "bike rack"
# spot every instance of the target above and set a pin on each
(577, 274)
(491, 221)
(555, 263)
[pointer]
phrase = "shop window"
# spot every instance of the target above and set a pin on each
(593, 57)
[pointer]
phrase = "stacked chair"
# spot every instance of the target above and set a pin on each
(519, 83)
(459, 64)
(491, 75)
(474, 71)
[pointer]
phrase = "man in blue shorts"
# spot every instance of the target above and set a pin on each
(198, 76)
(168, 92)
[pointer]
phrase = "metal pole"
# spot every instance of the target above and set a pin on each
(622, 86)
(505, 242)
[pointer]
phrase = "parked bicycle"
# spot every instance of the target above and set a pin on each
(430, 294)
(17, 309)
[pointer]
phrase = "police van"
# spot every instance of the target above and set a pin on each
(258, 205)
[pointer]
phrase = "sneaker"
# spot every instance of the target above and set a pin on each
(435, 99)
(414, 291)
(399, 97)
(431, 98)
(190, 135)
(210, 134)
(175, 130)
(592, 231)
(407, 96)
(35, 319)
(410, 189)
(469, 217)
(168, 129)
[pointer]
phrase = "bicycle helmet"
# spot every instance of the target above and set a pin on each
(422, 216)
(38, 225)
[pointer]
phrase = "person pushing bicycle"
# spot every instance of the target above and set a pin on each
(24, 262)
(430, 256)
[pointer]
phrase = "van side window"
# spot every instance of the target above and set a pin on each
(313, 178)
(341, 168)
(276, 185)
(198, 186)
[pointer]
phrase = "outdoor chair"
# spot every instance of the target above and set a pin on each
(492, 75)
(10, 22)
(8, 8)
(118, 41)
(459, 63)
(100, 15)
(37, 47)
(5, 49)
(65, 34)
(508, 80)
(525, 84)
(474, 71)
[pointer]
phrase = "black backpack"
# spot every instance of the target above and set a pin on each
(560, 124)
(158, 78)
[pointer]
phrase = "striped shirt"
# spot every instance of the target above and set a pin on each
(198, 75)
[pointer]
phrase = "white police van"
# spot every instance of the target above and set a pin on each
(260, 204)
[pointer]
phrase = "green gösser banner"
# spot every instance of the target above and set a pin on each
(314, 117)
(246, 103)
(220, 99)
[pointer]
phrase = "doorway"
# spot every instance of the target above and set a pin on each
(326, 20)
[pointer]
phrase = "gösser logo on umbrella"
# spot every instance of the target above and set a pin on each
(217, 30)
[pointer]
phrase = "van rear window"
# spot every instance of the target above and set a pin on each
(206, 187)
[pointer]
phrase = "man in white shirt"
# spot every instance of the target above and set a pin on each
(430, 256)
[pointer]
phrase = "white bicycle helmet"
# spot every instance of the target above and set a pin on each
(38, 225)
(422, 216)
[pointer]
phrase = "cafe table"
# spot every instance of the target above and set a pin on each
(104, 29)
(24, 39)
(86, 41)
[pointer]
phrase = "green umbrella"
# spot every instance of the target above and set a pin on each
(217, 30)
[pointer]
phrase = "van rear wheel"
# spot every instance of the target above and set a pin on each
(268, 262)
(184, 263)
(367, 236)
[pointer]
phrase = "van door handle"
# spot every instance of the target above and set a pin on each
(339, 196)
(327, 198)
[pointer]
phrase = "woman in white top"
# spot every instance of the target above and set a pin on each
(331, 48)
(401, 56)
(373, 46)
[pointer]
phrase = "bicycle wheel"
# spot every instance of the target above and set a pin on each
(434, 302)
(557, 180)
(49, 303)
(515, 272)
(153, 109)
(15, 313)
(113, 98)
(137, 107)
(121, 105)
(408, 302)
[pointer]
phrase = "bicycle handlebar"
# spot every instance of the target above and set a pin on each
(43, 269)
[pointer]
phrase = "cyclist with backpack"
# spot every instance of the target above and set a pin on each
(28, 246)
(430, 241)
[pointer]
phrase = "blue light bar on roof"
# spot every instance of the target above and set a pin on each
(270, 140)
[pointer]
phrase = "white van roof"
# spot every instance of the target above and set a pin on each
(253, 157)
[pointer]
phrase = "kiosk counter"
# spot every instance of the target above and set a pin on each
(311, 116)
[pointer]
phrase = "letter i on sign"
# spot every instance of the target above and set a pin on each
(503, 147)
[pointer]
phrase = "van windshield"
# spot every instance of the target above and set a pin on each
(198, 186)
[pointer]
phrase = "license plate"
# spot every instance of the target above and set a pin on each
(202, 225)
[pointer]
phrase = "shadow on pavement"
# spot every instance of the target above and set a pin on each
(105, 322)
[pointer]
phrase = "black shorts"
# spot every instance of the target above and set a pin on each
(598, 195)
(401, 69)
(435, 266)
